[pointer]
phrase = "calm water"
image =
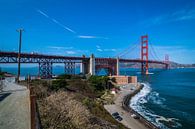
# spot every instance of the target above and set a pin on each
(167, 100)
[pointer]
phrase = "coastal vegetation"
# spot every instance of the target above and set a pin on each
(74, 102)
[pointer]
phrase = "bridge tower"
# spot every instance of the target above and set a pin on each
(144, 54)
(167, 61)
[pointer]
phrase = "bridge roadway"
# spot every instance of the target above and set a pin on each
(91, 65)
(12, 57)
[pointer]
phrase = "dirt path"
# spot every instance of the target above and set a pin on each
(14, 106)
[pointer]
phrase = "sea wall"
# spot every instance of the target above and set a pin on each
(125, 105)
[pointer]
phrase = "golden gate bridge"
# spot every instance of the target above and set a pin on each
(88, 65)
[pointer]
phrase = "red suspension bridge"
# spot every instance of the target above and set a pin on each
(89, 65)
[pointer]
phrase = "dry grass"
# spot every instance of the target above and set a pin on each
(61, 111)
(73, 108)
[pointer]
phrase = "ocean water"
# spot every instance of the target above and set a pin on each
(34, 71)
(167, 99)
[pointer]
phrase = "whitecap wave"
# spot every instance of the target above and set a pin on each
(137, 103)
(141, 96)
(155, 98)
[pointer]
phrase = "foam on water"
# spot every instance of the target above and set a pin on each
(146, 94)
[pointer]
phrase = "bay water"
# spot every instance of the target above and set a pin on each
(167, 99)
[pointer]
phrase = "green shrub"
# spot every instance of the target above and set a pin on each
(58, 84)
(99, 82)
(64, 76)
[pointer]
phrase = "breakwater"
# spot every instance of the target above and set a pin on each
(125, 106)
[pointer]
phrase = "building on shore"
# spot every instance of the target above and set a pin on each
(123, 80)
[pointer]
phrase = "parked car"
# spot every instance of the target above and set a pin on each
(119, 118)
(115, 114)
(135, 116)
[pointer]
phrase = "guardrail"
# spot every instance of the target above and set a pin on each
(125, 106)
(34, 112)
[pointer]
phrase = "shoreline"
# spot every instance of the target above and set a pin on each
(121, 105)
(126, 107)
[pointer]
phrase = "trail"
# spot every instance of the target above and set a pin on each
(14, 106)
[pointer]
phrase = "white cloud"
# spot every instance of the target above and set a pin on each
(113, 50)
(86, 37)
(105, 50)
(59, 50)
(100, 50)
(70, 52)
(58, 47)
(180, 15)
(91, 37)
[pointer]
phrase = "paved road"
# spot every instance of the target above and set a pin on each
(128, 121)
(14, 106)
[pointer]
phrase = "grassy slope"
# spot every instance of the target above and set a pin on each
(74, 105)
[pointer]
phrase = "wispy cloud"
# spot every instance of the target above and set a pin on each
(70, 52)
(180, 15)
(42, 13)
(97, 46)
(105, 50)
(59, 50)
(113, 50)
(100, 50)
(179, 54)
(91, 37)
(55, 21)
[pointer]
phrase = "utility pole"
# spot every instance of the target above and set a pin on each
(19, 52)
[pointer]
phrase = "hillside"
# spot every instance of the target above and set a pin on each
(70, 102)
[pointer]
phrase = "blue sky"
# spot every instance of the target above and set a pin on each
(102, 27)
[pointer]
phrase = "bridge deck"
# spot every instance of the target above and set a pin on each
(11, 57)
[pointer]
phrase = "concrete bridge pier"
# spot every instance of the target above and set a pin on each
(84, 66)
(92, 65)
(117, 67)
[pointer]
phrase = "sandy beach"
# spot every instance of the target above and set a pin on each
(128, 121)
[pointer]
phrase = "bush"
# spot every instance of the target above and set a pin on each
(58, 84)
(64, 76)
(99, 82)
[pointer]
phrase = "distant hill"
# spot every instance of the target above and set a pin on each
(177, 65)
(172, 65)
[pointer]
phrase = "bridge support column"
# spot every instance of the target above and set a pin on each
(45, 70)
(117, 67)
(92, 65)
(69, 68)
(84, 69)
(144, 54)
